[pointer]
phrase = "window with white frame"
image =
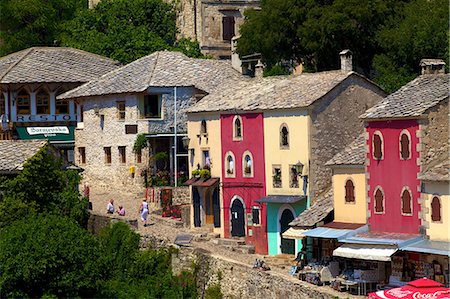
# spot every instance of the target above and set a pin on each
(229, 165)
(247, 164)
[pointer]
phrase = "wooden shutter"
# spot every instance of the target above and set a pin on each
(435, 209)
(228, 27)
(379, 201)
(377, 153)
(404, 146)
(406, 202)
(349, 191)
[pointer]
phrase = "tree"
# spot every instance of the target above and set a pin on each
(43, 187)
(126, 30)
(26, 23)
(48, 255)
(419, 31)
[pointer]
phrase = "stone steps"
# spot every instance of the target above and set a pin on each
(280, 260)
(236, 245)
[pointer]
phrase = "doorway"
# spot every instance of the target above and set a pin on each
(196, 199)
(237, 219)
(287, 245)
(209, 216)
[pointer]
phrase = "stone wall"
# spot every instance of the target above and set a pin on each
(239, 280)
(335, 124)
(97, 222)
(435, 136)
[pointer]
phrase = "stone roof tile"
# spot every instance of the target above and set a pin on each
(14, 153)
(438, 172)
(413, 99)
(53, 64)
(317, 212)
(353, 154)
(281, 92)
(160, 69)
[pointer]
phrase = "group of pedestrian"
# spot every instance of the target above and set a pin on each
(143, 210)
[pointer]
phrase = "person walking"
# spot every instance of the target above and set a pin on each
(143, 210)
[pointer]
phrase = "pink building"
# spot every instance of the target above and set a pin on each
(242, 138)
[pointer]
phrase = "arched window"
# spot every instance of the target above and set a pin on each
(247, 166)
(379, 201)
(284, 137)
(203, 129)
(435, 209)
(404, 146)
(406, 202)
(237, 128)
(377, 146)
(23, 102)
(349, 191)
(42, 102)
(229, 165)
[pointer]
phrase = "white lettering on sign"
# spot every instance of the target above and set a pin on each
(46, 117)
(47, 131)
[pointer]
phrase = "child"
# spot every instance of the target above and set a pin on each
(121, 211)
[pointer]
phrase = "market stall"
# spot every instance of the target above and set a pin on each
(421, 288)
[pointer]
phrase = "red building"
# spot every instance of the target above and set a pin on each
(393, 184)
(242, 138)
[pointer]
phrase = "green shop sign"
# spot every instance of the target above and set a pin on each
(57, 133)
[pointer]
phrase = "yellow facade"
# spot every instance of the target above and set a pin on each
(284, 157)
(437, 230)
(355, 212)
(209, 141)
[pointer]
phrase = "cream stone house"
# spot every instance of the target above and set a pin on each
(147, 96)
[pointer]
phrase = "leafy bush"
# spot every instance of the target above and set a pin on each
(47, 255)
(205, 174)
(214, 292)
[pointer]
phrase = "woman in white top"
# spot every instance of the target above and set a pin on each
(143, 209)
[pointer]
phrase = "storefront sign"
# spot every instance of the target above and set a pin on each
(46, 117)
(47, 131)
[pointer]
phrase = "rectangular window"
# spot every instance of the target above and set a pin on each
(228, 28)
(82, 154)
(81, 113)
(130, 129)
(276, 176)
(255, 215)
(2, 106)
(42, 104)
(293, 177)
(122, 154)
(121, 109)
(107, 151)
(152, 106)
(62, 107)
(23, 105)
(206, 159)
(138, 156)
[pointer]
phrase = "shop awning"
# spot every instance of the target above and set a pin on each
(281, 199)
(327, 233)
(365, 252)
(427, 246)
(294, 233)
(54, 133)
(199, 182)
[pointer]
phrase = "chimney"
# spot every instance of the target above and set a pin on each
(236, 62)
(432, 66)
(346, 60)
(259, 69)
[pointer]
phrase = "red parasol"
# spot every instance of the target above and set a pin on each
(423, 288)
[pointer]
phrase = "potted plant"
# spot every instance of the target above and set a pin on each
(195, 173)
(205, 174)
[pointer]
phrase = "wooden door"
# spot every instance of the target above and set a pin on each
(216, 207)
(287, 245)
(196, 200)
(209, 216)
(237, 219)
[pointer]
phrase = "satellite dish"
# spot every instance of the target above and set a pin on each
(4, 122)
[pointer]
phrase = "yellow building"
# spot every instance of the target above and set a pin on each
(349, 183)
(435, 200)
(205, 152)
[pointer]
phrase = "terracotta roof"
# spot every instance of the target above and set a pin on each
(413, 99)
(160, 69)
(281, 92)
(14, 153)
(53, 64)
(353, 154)
(317, 212)
(438, 172)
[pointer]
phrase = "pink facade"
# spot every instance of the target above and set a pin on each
(241, 186)
(392, 175)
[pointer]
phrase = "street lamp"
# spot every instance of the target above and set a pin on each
(185, 141)
(96, 109)
(299, 167)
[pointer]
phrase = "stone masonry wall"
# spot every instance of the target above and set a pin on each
(97, 134)
(435, 135)
(335, 124)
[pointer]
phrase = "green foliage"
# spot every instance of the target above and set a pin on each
(126, 30)
(43, 187)
(195, 173)
(420, 30)
(189, 48)
(26, 23)
(205, 174)
(160, 156)
(47, 255)
(140, 143)
(275, 70)
(214, 292)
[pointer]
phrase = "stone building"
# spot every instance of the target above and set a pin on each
(147, 96)
(31, 79)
